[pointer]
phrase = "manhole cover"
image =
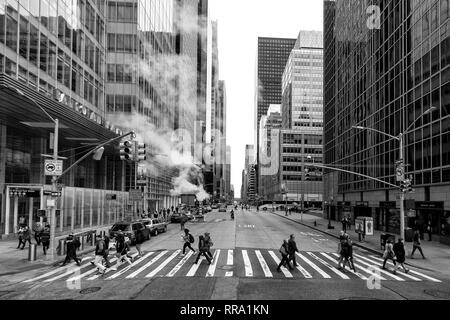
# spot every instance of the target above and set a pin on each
(90, 290)
(358, 298)
(438, 294)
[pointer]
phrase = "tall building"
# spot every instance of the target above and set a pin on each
(52, 60)
(272, 56)
(218, 139)
(140, 50)
(228, 175)
(386, 78)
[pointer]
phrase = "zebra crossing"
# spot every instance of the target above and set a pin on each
(247, 263)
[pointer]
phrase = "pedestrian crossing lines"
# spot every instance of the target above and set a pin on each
(246, 263)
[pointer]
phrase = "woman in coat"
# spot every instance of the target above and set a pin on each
(399, 251)
(389, 254)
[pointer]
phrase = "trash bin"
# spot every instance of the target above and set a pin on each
(32, 252)
(62, 247)
(409, 235)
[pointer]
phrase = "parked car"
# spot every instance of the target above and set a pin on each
(129, 229)
(223, 208)
(155, 226)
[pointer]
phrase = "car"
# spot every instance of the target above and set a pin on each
(266, 207)
(215, 206)
(130, 230)
(155, 226)
(208, 209)
(176, 217)
(223, 209)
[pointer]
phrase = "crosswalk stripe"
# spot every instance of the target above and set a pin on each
(71, 270)
(285, 271)
(329, 266)
(118, 273)
(179, 265)
(195, 267)
(212, 267)
(148, 264)
(80, 276)
(415, 272)
(359, 275)
(247, 264)
(312, 265)
(162, 265)
(263, 264)
(96, 276)
(377, 267)
(403, 274)
(229, 263)
(360, 267)
(45, 275)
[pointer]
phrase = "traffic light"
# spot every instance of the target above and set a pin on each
(140, 152)
(406, 185)
(400, 170)
(127, 151)
(307, 178)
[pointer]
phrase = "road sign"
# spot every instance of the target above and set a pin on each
(53, 168)
(135, 195)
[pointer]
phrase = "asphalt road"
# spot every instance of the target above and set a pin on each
(244, 268)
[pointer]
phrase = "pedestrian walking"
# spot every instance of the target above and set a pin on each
(188, 240)
(344, 224)
(347, 254)
(37, 229)
(416, 244)
(342, 239)
(72, 245)
(45, 239)
(284, 250)
(140, 239)
(429, 230)
(122, 248)
(292, 249)
(399, 251)
(106, 239)
(208, 245)
(202, 250)
(100, 248)
(389, 254)
(24, 236)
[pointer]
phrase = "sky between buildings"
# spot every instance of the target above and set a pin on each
(240, 23)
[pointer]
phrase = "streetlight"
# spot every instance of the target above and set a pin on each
(400, 138)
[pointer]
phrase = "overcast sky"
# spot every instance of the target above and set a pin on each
(241, 22)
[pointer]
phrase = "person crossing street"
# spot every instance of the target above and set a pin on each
(416, 244)
(202, 250)
(122, 248)
(389, 255)
(399, 251)
(188, 239)
(284, 250)
(292, 249)
(72, 244)
(100, 248)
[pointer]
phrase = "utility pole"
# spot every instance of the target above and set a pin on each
(54, 189)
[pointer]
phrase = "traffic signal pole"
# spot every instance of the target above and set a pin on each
(402, 194)
(54, 189)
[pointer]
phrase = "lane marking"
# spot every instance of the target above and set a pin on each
(229, 263)
(180, 264)
(148, 264)
(415, 272)
(87, 272)
(195, 267)
(359, 275)
(403, 274)
(264, 265)
(247, 264)
(162, 265)
(360, 267)
(329, 266)
(115, 275)
(59, 269)
(96, 276)
(376, 266)
(212, 267)
(312, 265)
(285, 271)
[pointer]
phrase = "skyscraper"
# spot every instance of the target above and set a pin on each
(386, 78)
(272, 56)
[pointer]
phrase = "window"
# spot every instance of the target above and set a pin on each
(111, 42)
(11, 33)
(23, 40)
(111, 72)
(34, 44)
(44, 53)
(119, 73)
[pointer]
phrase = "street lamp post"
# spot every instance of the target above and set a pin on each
(400, 139)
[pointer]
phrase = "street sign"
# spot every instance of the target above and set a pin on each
(135, 195)
(51, 203)
(56, 194)
(53, 168)
(142, 182)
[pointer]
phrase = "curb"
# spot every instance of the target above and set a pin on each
(354, 243)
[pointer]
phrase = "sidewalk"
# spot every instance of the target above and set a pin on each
(13, 260)
(437, 254)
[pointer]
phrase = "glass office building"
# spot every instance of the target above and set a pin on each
(385, 77)
(52, 55)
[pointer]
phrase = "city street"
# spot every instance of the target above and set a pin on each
(244, 267)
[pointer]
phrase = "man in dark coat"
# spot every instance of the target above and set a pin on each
(416, 244)
(292, 249)
(399, 251)
(72, 245)
(202, 250)
(284, 250)
(45, 239)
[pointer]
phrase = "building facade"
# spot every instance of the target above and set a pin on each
(386, 78)
(272, 56)
(52, 60)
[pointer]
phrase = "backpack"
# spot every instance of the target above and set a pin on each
(191, 238)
